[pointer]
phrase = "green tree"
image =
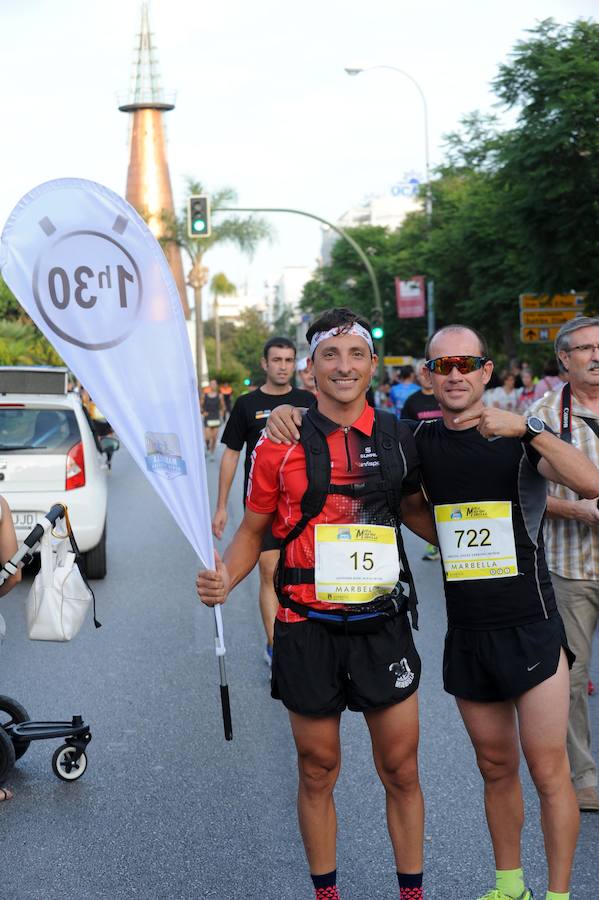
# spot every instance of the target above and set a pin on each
(472, 252)
(10, 308)
(21, 344)
(345, 282)
(231, 369)
(245, 233)
(220, 286)
(248, 342)
(549, 162)
(514, 210)
(285, 321)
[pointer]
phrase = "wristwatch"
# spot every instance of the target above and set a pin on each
(534, 427)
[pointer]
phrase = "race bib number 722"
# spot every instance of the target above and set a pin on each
(477, 539)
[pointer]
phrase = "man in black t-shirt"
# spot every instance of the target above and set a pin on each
(506, 655)
(244, 426)
(422, 404)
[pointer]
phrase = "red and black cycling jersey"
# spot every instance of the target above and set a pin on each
(278, 481)
(249, 416)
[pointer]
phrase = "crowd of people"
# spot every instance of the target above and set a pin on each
(500, 476)
(409, 394)
(489, 474)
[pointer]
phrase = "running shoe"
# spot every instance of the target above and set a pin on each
(268, 655)
(588, 799)
(431, 552)
(499, 895)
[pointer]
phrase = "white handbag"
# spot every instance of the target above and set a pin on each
(59, 597)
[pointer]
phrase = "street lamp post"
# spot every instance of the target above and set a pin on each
(378, 304)
(430, 292)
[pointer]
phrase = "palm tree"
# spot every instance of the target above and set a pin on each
(220, 287)
(22, 344)
(246, 233)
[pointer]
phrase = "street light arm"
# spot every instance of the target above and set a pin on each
(340, 231)
(429, 193)
(358, 71)
(343, 234)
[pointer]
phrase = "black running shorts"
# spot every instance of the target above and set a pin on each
(316, 672)
(270, 542)
(502, 663)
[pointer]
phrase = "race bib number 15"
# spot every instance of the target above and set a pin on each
(355, 563)
(477, 539)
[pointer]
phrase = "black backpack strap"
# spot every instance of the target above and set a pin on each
(318, 473)
(387, 435)
(387, 439)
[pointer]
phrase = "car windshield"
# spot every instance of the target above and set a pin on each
(37, 430)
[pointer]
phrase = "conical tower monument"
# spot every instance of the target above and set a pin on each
(148, 180)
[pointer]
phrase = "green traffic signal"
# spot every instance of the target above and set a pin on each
(198, 216)
(376, 324)
(247, 382)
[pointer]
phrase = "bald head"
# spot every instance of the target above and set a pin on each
(444, 336)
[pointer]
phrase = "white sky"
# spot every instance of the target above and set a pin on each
(263, 103)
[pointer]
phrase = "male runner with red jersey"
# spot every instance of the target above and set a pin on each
(342, 635)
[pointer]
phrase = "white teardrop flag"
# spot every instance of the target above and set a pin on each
(95, 281)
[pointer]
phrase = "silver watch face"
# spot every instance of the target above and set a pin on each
(534, 424)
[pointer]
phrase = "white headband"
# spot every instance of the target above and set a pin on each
(356, 329)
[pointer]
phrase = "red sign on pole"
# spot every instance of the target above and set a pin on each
(410, 296)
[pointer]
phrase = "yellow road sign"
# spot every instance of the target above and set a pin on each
(548, 316)
(398, 360)
(539, 335)
(552, 301)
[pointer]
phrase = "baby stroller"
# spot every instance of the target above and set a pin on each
(17, 730)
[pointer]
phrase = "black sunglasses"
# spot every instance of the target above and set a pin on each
(443, 365)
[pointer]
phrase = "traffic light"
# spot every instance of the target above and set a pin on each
(376, 321)
(198, 216)
(247, 381)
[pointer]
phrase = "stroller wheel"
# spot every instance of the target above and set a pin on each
(7, 755)
(64, 765)
(12, 713)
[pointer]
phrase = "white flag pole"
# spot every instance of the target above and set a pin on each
(219, 644)
(92, 276)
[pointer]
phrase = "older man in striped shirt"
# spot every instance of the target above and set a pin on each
(572, 534)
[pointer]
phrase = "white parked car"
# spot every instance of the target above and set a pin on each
(50, 454)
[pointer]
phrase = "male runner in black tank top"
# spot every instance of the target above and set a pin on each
(506, 656)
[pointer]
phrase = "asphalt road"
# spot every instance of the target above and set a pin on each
(167, 810)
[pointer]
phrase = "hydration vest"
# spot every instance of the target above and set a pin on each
(389, 482)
